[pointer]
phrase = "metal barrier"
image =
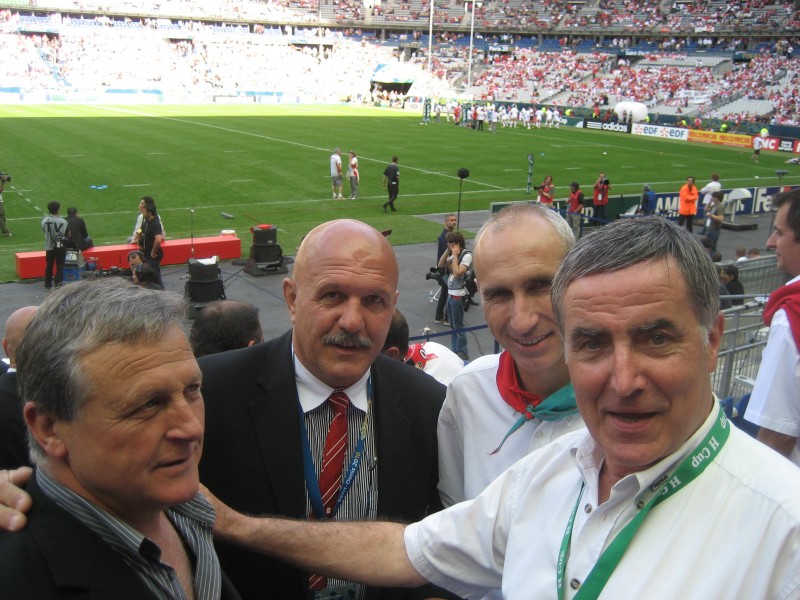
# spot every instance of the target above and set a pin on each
(759, 276)
(740, 355)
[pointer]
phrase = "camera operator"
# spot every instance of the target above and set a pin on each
(457, 260)
(55, 237)
(547, 192)
(136, 257)
(3, 179)
(450, 223)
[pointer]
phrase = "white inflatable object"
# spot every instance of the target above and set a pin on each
(638, 109)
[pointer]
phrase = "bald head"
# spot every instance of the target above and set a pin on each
(340, 297)
(360, 242)
(16, 325)
(517, 253)
(519, 217)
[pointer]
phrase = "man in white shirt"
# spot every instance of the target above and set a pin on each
(543, 528)
(775, 401)
(336, 174)
(758, 143)
(712, 186)
(432, 358)
(504, 406)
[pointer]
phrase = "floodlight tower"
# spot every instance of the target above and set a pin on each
(470, 5)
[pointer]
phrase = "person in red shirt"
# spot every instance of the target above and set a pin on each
(600, 196)
(687, 207)
(546, 191)
(575, 205)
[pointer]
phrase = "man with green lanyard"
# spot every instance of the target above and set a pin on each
(660, 498)
(504, 406)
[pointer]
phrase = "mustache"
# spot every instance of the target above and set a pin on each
(346, 339)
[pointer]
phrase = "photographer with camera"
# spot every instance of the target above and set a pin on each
(4, 177)
(438, 274)
(55, 245)
(458, 261)
(547, 192)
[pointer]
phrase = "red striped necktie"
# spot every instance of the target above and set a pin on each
(333, 455)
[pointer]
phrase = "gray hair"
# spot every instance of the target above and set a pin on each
(75, 320)
(630, 242)
(512, 215)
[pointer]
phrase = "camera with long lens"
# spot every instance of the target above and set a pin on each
(435, 275)
(5, 176)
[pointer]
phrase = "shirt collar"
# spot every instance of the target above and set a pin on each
(113, 530)
(589, 456)
(311, 392)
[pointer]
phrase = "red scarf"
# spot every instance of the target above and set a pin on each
(510, 389)
(788, 299)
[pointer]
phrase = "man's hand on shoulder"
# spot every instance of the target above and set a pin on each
(14, 501)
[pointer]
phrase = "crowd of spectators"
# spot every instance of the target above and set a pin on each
(95, 54)
(499, 15)
(529, 75)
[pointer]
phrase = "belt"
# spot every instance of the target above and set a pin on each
(456, 297)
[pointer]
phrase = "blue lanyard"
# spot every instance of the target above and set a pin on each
(312, 480)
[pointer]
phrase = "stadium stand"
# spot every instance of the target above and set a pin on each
(722, 60)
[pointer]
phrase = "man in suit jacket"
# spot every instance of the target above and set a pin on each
(78, 234)
(65, 556)
(266, 408)
(13, 433)
(115, 413)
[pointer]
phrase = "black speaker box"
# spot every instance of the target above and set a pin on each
(200, 272)
(266, 254)
(264, 237)
(203, 291)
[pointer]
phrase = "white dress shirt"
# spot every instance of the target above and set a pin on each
(775, 401)
(472, 423)
(733, 532)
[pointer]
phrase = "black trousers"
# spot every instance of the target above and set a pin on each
(687, 219)
(442, 304)
(54, 258)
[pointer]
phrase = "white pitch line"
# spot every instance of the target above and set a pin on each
(282, 141)
(156, 153)
(234, 151)
(135, 185)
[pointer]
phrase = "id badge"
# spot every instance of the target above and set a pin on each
(341, 592)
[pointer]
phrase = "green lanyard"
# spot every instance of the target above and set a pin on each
(685, 473)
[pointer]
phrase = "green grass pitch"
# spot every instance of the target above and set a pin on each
(270, 164)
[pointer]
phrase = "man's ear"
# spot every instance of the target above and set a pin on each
(44, 430)
(290, 295)
(715, 335)
(393, 352)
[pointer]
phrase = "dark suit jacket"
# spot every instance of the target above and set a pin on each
(252, 456)
(57, 557)
(77, 233)
(13, 432)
